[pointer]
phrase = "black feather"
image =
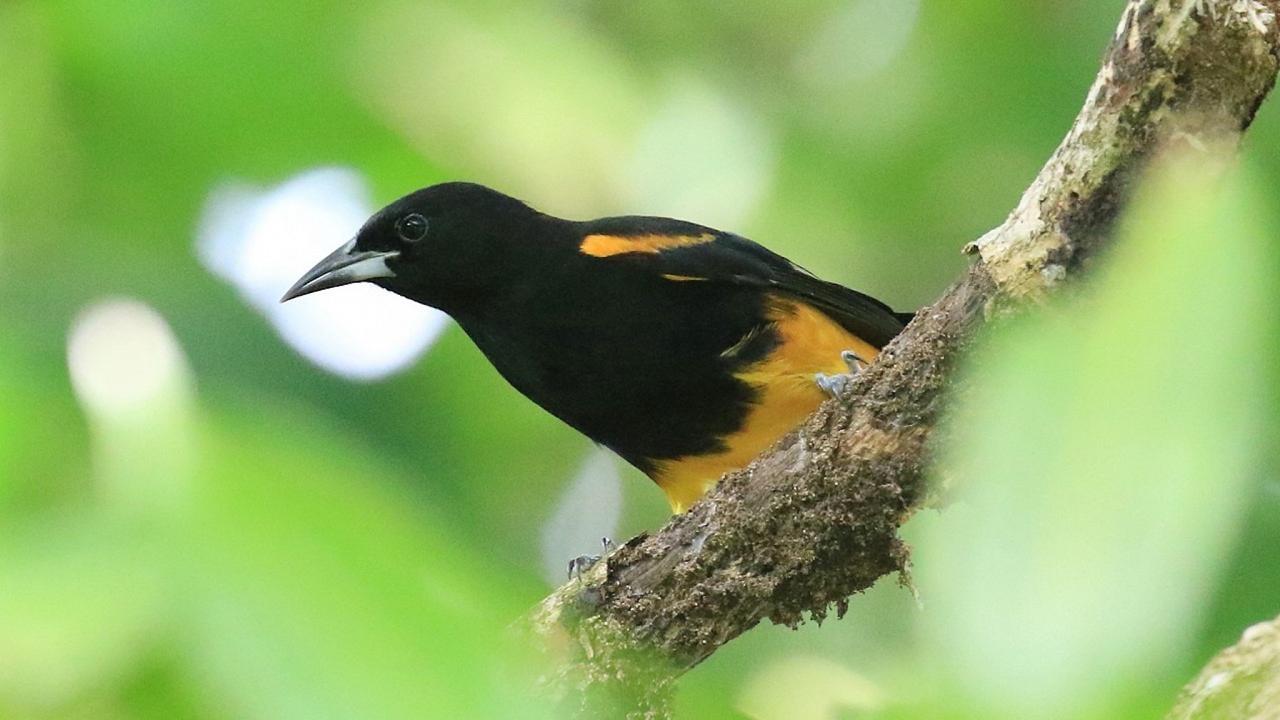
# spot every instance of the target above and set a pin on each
(734, 259)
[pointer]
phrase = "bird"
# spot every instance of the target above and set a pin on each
(685, 350)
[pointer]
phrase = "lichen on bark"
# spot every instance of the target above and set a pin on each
(1241, 683)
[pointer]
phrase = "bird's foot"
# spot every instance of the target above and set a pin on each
(835, 385)
(583, 563)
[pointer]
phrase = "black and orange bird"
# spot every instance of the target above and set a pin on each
(685, 350)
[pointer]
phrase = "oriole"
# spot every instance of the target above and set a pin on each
(684, 349)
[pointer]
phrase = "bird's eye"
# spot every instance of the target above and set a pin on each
(412, 227)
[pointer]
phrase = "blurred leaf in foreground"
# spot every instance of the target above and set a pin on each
(807, 688)
(1103, 451)
(239, 562)
(319, 593)
(80, 603)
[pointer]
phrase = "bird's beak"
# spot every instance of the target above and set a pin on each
(343, 266)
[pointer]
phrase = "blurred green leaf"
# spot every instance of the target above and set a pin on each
(1103, 452)
(528, 98)
(807, 688)
(42, 437)
(80, 602)
(316, 592)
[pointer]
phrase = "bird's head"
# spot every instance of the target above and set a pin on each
(440, 246)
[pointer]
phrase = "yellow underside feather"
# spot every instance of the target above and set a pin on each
(810, 343)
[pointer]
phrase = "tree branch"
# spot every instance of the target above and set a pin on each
(815, 519)
(1242, 682)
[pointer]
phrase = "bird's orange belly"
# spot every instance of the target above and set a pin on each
(809, 343)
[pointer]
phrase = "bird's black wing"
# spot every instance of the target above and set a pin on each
(699, 253)
(860, 314)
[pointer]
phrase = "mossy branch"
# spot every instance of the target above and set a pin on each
(1242, 682)
(816, 519)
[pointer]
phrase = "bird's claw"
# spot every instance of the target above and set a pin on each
(853, 361)
(836, 385)
(583, 563)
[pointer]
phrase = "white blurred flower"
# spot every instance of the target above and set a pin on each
(261, 241)
(123, 359)
(132, 379)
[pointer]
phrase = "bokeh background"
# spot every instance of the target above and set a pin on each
(213, 506)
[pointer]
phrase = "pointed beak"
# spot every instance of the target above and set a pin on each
(343, 266)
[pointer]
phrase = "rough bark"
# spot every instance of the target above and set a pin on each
(815, 519)
(1242, 682)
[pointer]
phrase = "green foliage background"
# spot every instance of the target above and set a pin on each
(282, 543)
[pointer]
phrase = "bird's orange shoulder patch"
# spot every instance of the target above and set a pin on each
(610, 245)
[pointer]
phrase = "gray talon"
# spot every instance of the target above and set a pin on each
(580, 565)
(836, 385)
(853, 361)
(583, 563)
(833, 385)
